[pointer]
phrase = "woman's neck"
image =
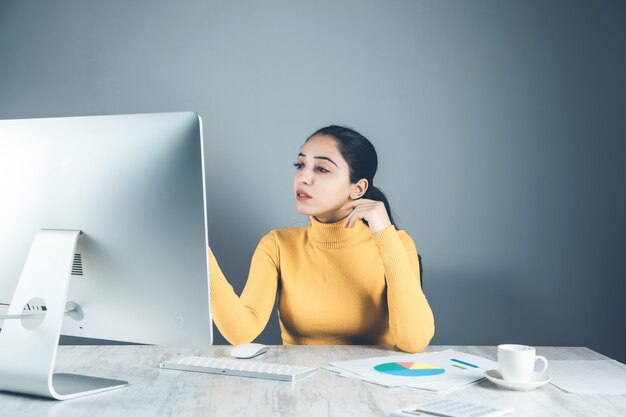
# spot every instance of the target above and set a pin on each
(333, 217)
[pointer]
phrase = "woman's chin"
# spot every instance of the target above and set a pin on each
(304, 210)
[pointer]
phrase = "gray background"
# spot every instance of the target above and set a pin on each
(499, 124)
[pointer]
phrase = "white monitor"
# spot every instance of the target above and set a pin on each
(129, 191)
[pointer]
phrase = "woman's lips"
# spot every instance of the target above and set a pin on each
(302, 196)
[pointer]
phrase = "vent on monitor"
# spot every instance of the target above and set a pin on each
(77, 266)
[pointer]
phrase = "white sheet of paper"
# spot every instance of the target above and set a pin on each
(447, 386)
(589, 377)
(457, 373)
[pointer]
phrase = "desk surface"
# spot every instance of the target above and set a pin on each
(156, 392)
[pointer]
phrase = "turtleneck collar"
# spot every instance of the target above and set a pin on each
(335, 235)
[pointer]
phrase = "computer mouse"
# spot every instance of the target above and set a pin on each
(248, 350)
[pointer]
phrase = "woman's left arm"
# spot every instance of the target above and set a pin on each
(411, 320)
(410, 317)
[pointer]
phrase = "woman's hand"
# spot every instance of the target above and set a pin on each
(372, 211)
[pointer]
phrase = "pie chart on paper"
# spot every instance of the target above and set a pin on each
(409, 369)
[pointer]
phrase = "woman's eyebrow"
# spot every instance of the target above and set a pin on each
(322, 157)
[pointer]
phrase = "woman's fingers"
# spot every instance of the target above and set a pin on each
(372, 211)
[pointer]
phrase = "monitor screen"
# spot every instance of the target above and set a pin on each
(134, 186)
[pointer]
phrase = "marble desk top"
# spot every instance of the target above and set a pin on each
(157, 392)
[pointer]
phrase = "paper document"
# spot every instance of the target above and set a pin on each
(589, 377)
(434, 371)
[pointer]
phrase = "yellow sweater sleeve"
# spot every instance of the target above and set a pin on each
(411, 320)
(242, 319)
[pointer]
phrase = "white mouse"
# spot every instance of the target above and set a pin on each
(248, 350)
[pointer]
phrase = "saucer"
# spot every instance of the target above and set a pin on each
(536, 381)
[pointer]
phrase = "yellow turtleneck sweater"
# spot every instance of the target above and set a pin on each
(334, 286)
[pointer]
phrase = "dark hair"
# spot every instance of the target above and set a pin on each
(361, 157)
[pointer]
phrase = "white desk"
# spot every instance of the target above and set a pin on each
(156, 392)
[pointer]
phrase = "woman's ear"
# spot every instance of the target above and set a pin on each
(358, 189)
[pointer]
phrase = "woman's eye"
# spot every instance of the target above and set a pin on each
(322, 170)
(298, 165)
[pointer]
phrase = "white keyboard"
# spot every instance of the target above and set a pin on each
(252, 369)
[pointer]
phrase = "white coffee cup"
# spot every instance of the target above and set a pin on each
(517, 362)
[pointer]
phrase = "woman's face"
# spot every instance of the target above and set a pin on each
(321, 184)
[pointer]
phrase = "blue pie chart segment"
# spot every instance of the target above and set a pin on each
(411, 369)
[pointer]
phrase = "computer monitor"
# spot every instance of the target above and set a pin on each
(129, 192)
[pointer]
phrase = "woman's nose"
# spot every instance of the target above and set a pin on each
(303, 177)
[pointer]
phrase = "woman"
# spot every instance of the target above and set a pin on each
(349, 277)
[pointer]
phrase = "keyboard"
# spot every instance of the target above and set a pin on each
(251, 369)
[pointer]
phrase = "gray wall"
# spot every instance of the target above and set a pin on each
(499, 126)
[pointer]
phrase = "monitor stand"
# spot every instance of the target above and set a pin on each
(28, 346)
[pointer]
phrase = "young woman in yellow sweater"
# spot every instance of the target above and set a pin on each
(349, 277)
